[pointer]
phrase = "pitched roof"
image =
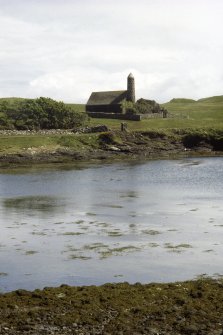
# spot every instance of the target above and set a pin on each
(107, 98)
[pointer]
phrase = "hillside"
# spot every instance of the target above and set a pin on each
(181, 101)
(206, 112)
(14, 102)
(183, 114)
(215, 99)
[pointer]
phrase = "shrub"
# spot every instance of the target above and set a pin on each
(128, 107)
(41, 113)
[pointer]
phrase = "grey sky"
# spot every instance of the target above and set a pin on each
(65, 49)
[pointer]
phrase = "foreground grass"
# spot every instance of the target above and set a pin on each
(13, 144)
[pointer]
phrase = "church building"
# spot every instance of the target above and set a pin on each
(110, 101)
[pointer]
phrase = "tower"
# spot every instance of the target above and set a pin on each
(131, 88)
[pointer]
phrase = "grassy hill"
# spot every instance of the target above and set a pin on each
(14, 102)
(215, 99)
(189, 122)
(207, 112)
(181, 101)
(77, 107)
(184, 113)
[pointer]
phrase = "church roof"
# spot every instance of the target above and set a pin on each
(107, 97)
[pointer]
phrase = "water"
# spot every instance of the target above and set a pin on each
(138, 222)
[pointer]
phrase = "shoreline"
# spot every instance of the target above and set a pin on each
(190, 307)
(66, 147)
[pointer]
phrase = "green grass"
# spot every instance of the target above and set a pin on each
(184, 113)
(14, 102)
(182, 100)
(77, 107)
(16, 144)
(197, 118)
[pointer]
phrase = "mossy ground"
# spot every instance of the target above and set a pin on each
(193, 307)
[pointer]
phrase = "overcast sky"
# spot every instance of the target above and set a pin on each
(65, 49)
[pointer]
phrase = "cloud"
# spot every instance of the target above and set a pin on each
(66, 49)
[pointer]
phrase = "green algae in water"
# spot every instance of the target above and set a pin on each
(33, 203)
(177, 248)
(151, 232)
(151, 213)
(153, 245)
(113, 206)
(39, 233)
(83, 258)
(114, 233)
(130, 194)
(91, 214)
(132, 225)
(102, 224)
(79, 221)
(72, 233)
(30, 252)
(95, 246)
(118, 251)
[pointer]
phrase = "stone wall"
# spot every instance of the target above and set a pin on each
(115, 116)
(110, 108)
(132, 117)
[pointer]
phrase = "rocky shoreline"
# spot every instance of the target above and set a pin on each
(192, 307)
(113, 145)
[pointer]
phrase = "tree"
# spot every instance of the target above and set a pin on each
(41, 113)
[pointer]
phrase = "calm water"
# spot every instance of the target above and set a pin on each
(150, 221)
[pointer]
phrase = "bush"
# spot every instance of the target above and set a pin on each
(142, 106)
(41, 113)
(5, 122)
(128, 107)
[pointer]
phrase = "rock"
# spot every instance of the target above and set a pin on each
(113, 148)
(95, 129)
(191, 329)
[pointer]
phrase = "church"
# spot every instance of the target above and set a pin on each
(110, 101)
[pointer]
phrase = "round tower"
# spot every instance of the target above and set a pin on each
(131, 88)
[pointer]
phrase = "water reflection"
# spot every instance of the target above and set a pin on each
(47, 204)
(153, 221)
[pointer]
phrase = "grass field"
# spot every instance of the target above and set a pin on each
(13, 144)
(184, 113)
(187, 116)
